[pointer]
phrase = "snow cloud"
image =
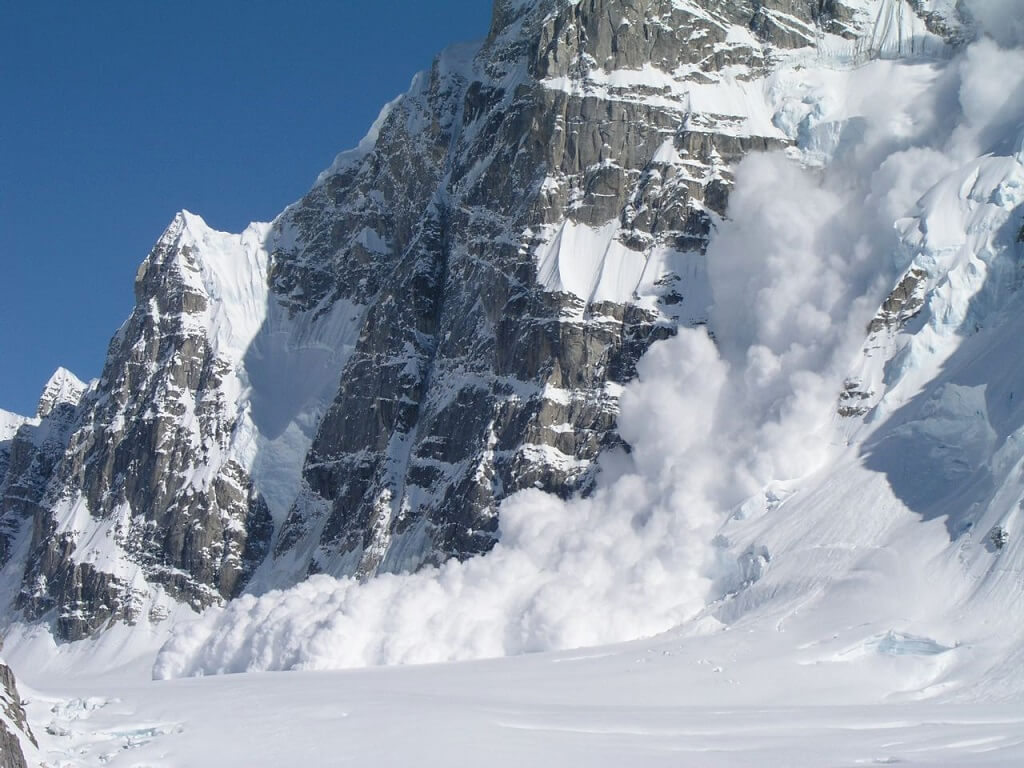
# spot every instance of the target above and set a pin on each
(797, 269)
(1000, 19)
(631, 561)
(993, 105)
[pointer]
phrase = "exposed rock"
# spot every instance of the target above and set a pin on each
(853, 399)
(905, 301)
(998, 538)
(145, 466)
(15, 734)
(472, 379)
(29, 456)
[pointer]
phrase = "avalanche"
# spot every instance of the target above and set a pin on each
(746, 493)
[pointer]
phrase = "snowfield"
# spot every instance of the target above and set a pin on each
(748, 696)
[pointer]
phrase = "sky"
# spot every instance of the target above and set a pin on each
(118, 114)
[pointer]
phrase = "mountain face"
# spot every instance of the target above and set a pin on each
(16, 737)
(446, 318)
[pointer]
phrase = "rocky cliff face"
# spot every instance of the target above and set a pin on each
(144, 496)
(446, 318)
(16, 737)
(30, 449)
(531, 218)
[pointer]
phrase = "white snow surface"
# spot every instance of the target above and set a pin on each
(594, 265)
(797, 696)
(10, 423)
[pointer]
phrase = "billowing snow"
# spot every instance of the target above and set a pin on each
(710, 427)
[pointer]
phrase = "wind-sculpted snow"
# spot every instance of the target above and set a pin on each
(721, 430)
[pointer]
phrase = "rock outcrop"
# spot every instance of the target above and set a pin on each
(16, 737)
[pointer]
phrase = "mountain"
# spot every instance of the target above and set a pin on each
(445, 319)
(16, 737)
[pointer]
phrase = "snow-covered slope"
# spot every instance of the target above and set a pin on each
(731, 700)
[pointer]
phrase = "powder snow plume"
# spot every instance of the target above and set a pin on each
(804, 258)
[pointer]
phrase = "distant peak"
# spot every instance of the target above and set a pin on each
(188, 228)
(193, 223)
(63, 387)
(190, 219)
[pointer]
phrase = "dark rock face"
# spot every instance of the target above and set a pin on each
(854, 399)
(471, 380)
(11, 755)
(468, 291)
(28, 457)
(143, 465)
(905, 301)
(13, 724)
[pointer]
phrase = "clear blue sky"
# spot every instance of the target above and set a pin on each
(116, 114)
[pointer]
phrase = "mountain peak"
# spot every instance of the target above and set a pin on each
(62, 388)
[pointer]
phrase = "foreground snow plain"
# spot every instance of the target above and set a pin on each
(749, 696)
